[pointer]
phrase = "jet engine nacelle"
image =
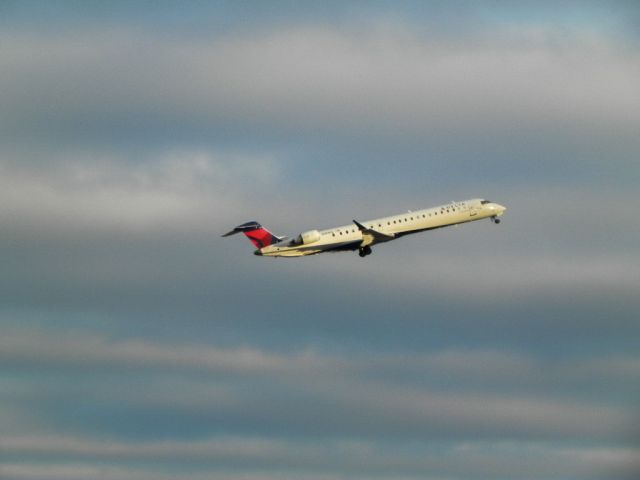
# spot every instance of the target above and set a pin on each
(309, 237)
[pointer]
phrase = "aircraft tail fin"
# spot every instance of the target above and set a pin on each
(256, 233)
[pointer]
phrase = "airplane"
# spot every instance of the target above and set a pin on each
(361, 236)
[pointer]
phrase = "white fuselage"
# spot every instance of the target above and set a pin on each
(352, 237)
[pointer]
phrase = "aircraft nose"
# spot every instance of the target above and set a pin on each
(496, 209)
(258, 252)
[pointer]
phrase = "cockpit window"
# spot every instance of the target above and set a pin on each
(484, 202)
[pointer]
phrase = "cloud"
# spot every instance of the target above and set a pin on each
(110, 192)
(139, 344)
(94, 352)
(90, 220)
(110, 223)
(42, 350)
(389, 82)
(276, 458)
(361, 395)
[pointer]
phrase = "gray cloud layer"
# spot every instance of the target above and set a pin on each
(139, 344)
(504, 93)
(366, 416)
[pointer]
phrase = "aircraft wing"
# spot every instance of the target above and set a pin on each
(371, 236)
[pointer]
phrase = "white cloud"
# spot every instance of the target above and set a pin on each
(394, 77)
(486, 277)
(555, 240)
(111, 192)
(42, 349)
(90, 351)
(357, 387)
(278, 458)
(68, 95)
(386, 80)
(378, 80)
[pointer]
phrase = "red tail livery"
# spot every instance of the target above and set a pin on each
(259, 236)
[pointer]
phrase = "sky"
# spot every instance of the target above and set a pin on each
(136, 343)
